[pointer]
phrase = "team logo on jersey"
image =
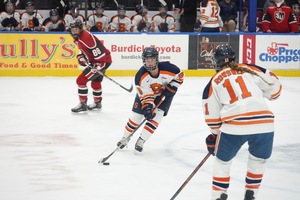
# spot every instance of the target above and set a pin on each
(279, 16)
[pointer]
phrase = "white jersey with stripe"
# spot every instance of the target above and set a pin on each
(118, 24)
(149, 87)
(157, 20)
(4, 15)
(210, 14)
(234, 102)
(69, 18)
(100, 21)
(26, 21)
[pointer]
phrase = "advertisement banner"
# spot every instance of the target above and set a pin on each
(271, 51)
(35, 52)
(127, 49)
(205, 44)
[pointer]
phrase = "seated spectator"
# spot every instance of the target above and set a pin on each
(120, 22)
(73, 15)
(228, 14)
(141, 22)
(279, 19)
(98, 22)
(209, 16)
(296, 11)
(31, 20)
(54, 22)
(163, 22)
(9, 19)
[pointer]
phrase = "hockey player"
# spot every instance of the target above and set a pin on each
(31, 20)
(153, 81)
(279, 19)
(10, 19)
(53, 23)
(209, 16)
(73, 15)
(141, 22)
(163, 22)
(236, 112)
(120, 22)
(96, 59)
(98, 22)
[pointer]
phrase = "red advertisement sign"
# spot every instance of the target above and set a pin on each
(249, 44)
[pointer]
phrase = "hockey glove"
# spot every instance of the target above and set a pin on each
(141, 27)
(147, 110)
(13, 22)
(211, 143)
(94, 29)
(35, 21)
(82, 60)
(5, 22)
(169, 91)
(163, 27)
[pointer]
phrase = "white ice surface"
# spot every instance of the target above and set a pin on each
(47, 153)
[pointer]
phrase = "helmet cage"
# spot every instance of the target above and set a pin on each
(150, 52)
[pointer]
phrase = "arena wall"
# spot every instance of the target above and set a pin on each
(54, 54)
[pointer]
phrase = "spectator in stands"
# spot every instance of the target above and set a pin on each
(73, 15)
(267, 4)
(53, 22)
(188, 14)
(120, 22)
(141, 22)
(163, 22)
(98, 22)
(279, 19)
(296, 11)
(228, 14)
(209, 16)
(9, 19)
(31, 20)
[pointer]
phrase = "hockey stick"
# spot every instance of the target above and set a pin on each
(162, 2)
(191, 176)
(102, 160)
(117, 4)
(128, 90)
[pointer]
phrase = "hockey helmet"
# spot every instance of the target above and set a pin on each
(29, 3)
(99, 5)
(163, 9)
(222, 55)
(77, 23)
(9, 6)
(121, 11)
(150, 52)
(29, 7)
(53, 12)
(140, 8)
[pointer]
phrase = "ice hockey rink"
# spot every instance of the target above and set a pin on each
(48, 153)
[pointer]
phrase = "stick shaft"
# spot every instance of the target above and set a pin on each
(191, 176)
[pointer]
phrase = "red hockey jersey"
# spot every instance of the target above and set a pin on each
(279, 20)
(93, 48)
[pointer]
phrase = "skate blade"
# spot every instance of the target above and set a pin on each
(138, 153)
(80, 113)
(95, 109)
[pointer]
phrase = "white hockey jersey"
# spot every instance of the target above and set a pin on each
(210, 14)
(233, 102)
(4, 15)
(148, 87)
(69, 18)
(101, 22)
(26, 21)
(141, 23)
(158, 21)
(120, 25)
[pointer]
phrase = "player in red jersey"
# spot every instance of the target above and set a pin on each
(96, 59)
(279, 19)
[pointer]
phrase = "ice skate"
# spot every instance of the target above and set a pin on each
(95, 106)
(123, 142)
(139, 145)
(249, 195)
(82, 107)
(223, 197)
